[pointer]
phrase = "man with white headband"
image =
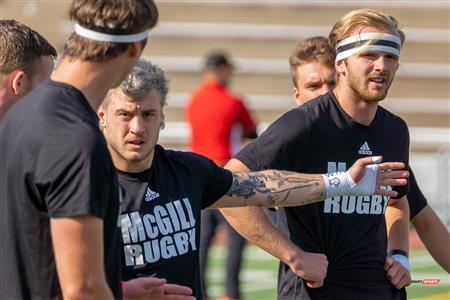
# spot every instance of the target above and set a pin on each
(58, 188)
(326, 134)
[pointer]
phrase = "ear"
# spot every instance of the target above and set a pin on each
(101, 116)
(340, 66)
(163, 124)
(135, 49)
(17, 82)
(296, 95)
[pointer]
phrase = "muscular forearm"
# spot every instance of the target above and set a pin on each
(434, 235)
(253, 224)
(274, 188)
(397, 224)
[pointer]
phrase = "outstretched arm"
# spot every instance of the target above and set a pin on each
(434, 235)
(253, 224)
(282, 188)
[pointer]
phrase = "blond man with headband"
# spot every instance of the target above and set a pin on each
(58, 189)
(325, 135)
(313, 73)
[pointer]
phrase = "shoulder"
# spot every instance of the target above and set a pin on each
(184, 157)
(75, 144)
(391, 117)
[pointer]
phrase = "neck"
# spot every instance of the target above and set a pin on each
(131, 167)
(93, 79)
(361, 111)
(6, 101)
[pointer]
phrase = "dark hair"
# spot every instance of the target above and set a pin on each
(113, 17)
(216, 59)
(21, 47)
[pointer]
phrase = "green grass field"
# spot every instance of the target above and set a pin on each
(260, 269)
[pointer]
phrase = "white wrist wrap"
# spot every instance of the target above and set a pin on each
(403, 260)
(341, 183)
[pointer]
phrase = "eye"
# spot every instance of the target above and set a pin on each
(149, 114)
(123, 114)
(391, 57)
(313, 87)
(368, 55)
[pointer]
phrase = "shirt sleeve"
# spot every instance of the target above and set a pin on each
(216, 181)
(74, 173)
(283, 140)
(416, 199)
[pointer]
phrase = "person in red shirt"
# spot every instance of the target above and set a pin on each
(219, 122)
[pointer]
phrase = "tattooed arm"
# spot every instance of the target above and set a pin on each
(272, 188)
(282, 188)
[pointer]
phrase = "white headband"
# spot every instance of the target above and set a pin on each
(369, 41)
(106, 37)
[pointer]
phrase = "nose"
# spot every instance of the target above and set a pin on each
(380, 63)
(136, 125)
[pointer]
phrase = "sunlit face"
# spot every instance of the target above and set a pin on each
(313, 80)
(131, 128)
(369, 74)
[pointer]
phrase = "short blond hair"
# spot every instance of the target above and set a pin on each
(359, 18)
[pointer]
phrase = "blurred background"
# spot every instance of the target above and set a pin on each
(259, 36)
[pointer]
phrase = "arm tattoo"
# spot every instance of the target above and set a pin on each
(248, 185)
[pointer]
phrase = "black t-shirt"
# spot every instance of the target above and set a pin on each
(416, 199)
(54, 164)
(161, 215)
(319, 137)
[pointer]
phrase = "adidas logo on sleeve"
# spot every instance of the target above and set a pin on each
(365, 150)
(150, 195)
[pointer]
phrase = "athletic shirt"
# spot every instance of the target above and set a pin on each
(416, 199)
(54, 163)
(319, 137)
(218, 121)
(161, 215)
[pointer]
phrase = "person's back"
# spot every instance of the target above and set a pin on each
(44, 155)
(58, 188)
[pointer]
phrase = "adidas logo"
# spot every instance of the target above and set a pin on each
(150, 195)
(365, 150)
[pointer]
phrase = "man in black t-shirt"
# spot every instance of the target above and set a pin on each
(26, 59)
(325, 134)
(164, 190)
(58, 188)
(313, 74)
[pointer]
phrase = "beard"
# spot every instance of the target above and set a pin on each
(360, 86)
